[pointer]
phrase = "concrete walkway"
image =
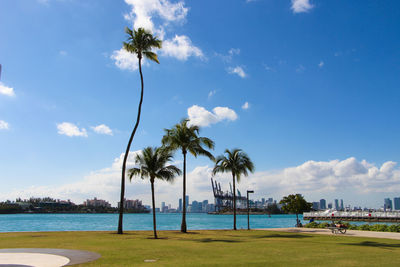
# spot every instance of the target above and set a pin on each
(388, 235)
(44, 257)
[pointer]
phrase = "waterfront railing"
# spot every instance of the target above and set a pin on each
(384, 216)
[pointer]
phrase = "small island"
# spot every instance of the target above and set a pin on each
(50, 205)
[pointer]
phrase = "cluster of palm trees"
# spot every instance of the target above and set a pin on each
(152, 162)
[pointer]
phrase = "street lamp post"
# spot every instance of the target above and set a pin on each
(248, 209)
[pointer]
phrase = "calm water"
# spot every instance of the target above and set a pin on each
(108, 222)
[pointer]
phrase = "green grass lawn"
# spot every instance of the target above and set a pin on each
(223, 248)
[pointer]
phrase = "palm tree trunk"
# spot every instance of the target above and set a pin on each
(154, 209)
(183, 225)
(234, 202)
(121, 202)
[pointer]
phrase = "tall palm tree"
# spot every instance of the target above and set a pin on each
(152, 165)
(139, 42)
(185, 137)
(238, 163)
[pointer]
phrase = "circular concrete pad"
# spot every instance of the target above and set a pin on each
(72, 256)
(33, 259)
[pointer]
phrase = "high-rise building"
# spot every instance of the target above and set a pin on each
(180, 208)
(329, 205)
(396, 203)
(336, 204)
(204, 206)
(341, 205)
(162, 206)
(196, 206)
(180, 205)
(322, 204)
(388, 205)
(315, 205)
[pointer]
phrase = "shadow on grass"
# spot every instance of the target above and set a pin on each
(282, 236)
(210, 240)
(373, 244)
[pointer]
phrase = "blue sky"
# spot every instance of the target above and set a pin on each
(320, 79)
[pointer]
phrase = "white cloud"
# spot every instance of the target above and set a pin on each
(103, 183)
(4, 125)
(5, 90)
(125, 60)
(102, 129)
(143, 12)
(318, 179)
(314, 179)
(237, 70)
(202, 117)
(70, 129)
(246, 105)
(130, 161)
(321, 64)
(181, 48)
(333, 175)
(300, 6)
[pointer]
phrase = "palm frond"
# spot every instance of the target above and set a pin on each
(235, 161)
(140, 42)
(133, 172)
(207, 142)
(128, 31)
(168, 173)
(202, 152)
(151, 55)
(152, 163)
(185, 137)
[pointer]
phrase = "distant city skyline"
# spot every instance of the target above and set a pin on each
(207, 206)
(312, 96)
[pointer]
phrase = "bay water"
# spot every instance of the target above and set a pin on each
(108, 222)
